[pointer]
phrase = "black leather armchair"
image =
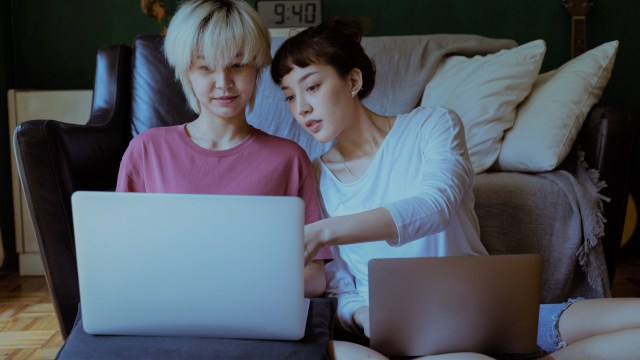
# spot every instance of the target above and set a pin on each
(135, 90)
(55, 159)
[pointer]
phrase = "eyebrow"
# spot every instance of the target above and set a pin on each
(201, 57)
(303, 78)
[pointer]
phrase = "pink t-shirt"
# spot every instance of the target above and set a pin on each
(165, 160)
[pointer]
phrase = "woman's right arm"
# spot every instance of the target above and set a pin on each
(372, 225)
(442, 189)
(445, 182)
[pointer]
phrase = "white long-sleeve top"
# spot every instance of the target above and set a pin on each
(423, 176)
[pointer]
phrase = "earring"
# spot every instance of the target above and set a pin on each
(355, 92)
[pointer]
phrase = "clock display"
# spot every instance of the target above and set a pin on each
(290, 13)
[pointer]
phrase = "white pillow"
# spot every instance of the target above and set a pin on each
(549, 119)
(484, 91)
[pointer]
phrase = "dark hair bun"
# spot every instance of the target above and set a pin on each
(336, 43)
(347, 27)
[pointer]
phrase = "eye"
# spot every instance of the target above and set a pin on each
(204, 68)
(289, 98)
(313, 87)
(238, 65)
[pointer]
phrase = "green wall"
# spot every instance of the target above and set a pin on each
(51, 44)
(56, 40)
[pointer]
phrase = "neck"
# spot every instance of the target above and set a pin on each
(364, 134)
(217, 135)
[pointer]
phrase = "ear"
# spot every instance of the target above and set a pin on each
(355, 80)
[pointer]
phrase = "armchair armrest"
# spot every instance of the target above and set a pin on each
(608, 138)
(55, 159)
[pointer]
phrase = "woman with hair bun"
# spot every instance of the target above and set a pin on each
(402, 186)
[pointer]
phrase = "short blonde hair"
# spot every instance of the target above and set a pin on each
(218, 30)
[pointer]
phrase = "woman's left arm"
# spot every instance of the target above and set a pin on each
(315, 281)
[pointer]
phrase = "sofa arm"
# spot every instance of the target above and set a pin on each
(55, 159)
(608, 138)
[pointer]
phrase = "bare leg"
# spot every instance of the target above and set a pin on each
(346, 350)
(588, 318)
(619, 345)
(455, 356)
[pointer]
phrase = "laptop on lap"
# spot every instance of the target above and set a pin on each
(190, 265)
(425, 306)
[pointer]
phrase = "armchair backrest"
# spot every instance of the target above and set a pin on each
(54, 159)
(156, 97)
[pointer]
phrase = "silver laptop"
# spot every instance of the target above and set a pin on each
(426, 306)
(190, 265)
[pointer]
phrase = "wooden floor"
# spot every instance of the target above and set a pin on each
(28, 325)
(29, 329)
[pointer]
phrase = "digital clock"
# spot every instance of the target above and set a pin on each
(290, 13)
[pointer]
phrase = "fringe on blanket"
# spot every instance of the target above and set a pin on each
(588, 187)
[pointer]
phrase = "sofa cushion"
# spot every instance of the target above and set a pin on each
(550, 118)
(484, 91)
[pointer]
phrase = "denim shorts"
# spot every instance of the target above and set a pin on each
(549, 338)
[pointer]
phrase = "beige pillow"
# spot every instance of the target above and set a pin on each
(549, 119)
(484, 91)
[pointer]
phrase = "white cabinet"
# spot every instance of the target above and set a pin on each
(72, 106)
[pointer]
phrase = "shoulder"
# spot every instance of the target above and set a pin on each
(279, 145)
(156, 135)
(431, 121)
(432, 127)
(152, 141)
(432, 115)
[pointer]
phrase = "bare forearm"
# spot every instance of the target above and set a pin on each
(372, 225)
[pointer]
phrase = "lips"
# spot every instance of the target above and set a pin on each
(314, 125)
(225, 100)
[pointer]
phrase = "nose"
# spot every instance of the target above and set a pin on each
(303, 108)
(222, 78)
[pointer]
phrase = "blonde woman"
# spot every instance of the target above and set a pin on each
(217, 48)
